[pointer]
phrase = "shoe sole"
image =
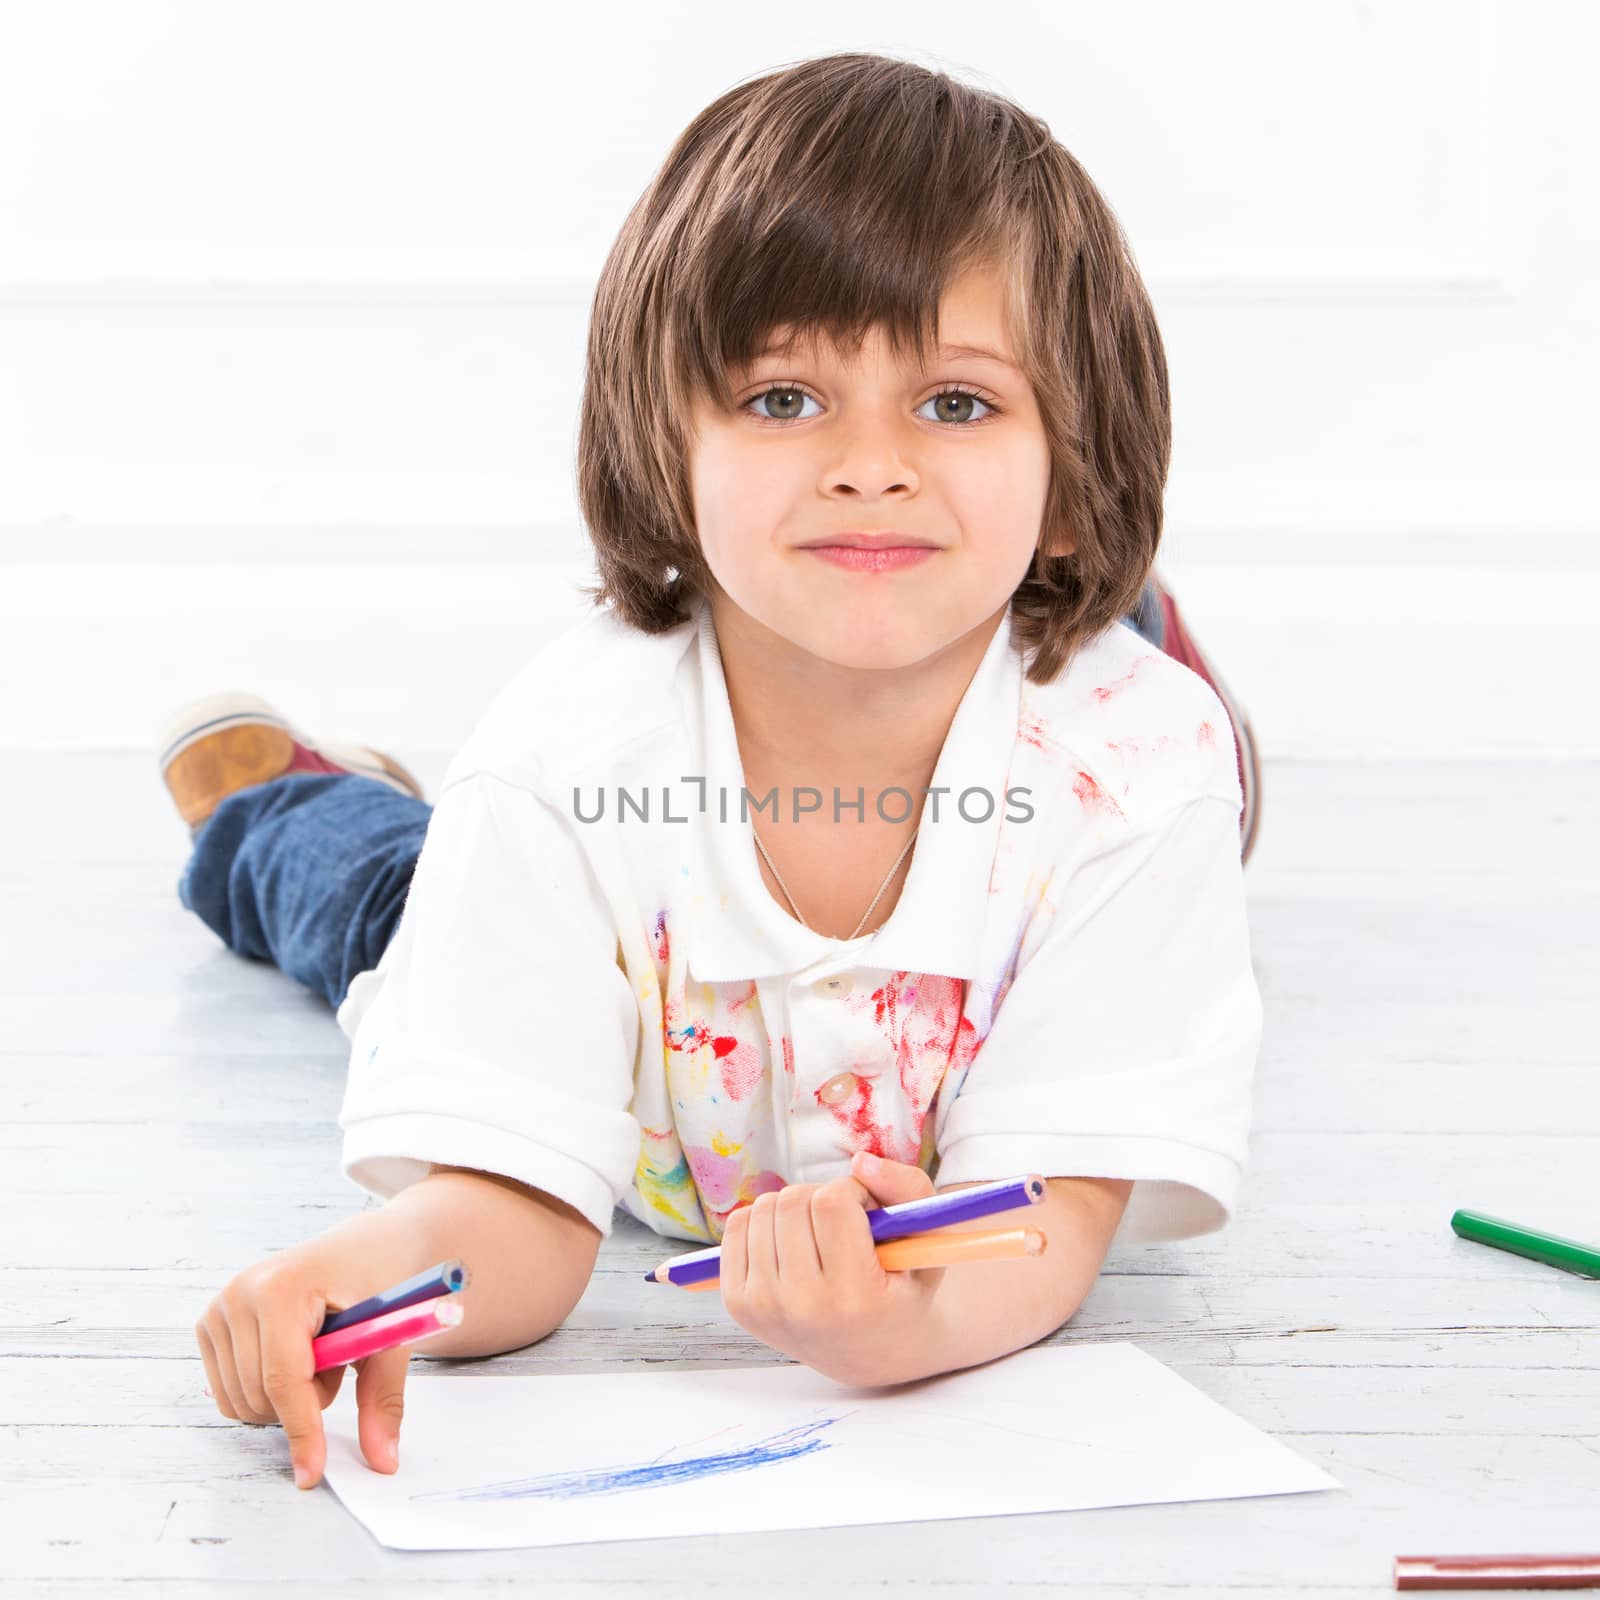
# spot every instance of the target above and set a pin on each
(221, 743)
(214, 713)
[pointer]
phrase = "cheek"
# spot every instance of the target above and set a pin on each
(720, 475)
(1019, 471)
(1006, 489)
(713, 481)
(738, 493)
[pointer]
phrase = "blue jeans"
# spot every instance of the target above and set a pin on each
(311, 871)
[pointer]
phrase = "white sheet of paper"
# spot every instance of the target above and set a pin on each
(490, 1463)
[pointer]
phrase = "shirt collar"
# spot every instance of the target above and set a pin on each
(741, 932)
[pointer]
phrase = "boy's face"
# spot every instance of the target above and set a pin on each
(873, 446)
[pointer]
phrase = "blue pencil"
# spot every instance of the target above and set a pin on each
(887, 1222)
(446, 1278)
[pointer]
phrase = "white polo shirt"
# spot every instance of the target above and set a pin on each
(617, 1011)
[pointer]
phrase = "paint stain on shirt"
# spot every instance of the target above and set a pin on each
(743, 1066)
(1103, 692)
(1091, 796)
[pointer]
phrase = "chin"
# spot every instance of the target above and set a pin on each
(871, 644)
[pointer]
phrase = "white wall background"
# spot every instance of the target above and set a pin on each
(293, 298)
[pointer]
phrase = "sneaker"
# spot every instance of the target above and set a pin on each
(1178, 642)
(215, 746)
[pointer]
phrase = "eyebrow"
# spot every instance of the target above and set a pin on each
(971, 350)
(974, 350)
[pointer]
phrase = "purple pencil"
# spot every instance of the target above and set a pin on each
(887, 1222)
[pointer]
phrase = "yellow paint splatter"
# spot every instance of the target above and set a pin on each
(659, 1202)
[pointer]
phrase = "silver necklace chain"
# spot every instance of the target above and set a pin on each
(875, 899)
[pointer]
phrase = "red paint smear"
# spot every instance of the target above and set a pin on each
(1105, 691)
(663, 942)
(1092, 796)
(788, 1054)
(1135, 745)
(886, 999)
(950, 1037)
(1208, 734)
(741, 1067)
(1032, 730)
(923, 1016)
(966, 1047)
(855, 1114)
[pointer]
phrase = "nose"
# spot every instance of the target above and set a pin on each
(872, 460)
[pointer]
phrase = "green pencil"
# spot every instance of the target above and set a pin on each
(1568, 1254)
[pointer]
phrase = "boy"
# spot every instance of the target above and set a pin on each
(875, 813)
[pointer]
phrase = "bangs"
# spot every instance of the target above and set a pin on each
(846, 206)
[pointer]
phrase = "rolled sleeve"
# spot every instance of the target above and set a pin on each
(505, 1033)
(1126, 1045)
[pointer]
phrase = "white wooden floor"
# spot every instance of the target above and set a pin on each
(1426, 940)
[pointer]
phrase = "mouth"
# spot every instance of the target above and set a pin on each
(883, 540)
(873, 558)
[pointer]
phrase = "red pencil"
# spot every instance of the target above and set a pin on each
(1497, 1572)
(405, 1326)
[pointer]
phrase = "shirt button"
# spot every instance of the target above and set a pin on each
(841, 983)
(839, 1087)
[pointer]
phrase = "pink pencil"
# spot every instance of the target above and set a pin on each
(405, 1326)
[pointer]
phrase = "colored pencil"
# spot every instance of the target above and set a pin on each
(449, 1277)
(1568, 1254)
(1497, 1572)
(888, 1222)
(406, 1326)
(942, 1250)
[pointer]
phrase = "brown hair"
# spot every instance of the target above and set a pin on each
(841, 193)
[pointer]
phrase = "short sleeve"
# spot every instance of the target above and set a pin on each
(505, 1032)
(1126, 1045)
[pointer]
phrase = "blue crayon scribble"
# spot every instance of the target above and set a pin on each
(784, 1446)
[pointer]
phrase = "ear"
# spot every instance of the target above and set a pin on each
(1060, 543)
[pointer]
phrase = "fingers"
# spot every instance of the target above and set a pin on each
(794, 1255)
(732, 1258)
(226, 1389)
(843, 1236)
(214, 1380)
(380, 1404)
(285, 1375)
(244, 1339)
(770, 1247)
(760, 1246)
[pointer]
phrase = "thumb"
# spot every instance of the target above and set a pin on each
(889, 1182)
(380, 1404)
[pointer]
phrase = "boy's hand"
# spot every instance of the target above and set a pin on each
(255, 1338)
(799, 1270)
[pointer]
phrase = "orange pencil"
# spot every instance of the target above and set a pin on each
(941, 1249)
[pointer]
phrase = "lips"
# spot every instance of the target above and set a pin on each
(871, 541)
(874, 558)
